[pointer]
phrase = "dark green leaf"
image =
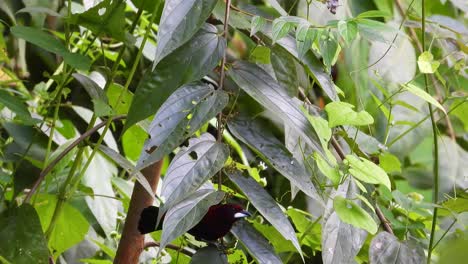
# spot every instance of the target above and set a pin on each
(188, 212)
(236, 19)
(51, 44)
(184, 112)
(14, 104)
(107, 17)
(188, 63)
(180, 20)
(385, 248)
(267, 206)
(284, 66)
(263, 88)
(256, 244)
(91, 87)
(209, 255)
(305, 36)
(21, 236)
(329, 48)
(262, 141)
(191, 168)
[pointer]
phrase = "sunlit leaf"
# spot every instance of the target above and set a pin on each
(341, 113)
(423, 95)
(367, 171)
(351, 213)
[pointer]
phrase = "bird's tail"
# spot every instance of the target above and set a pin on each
(148, 219)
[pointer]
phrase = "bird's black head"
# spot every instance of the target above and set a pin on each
(230, 213)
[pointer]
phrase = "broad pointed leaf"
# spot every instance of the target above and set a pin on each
(423, 95)
(191, 168)
(284, 67)
(349, 212)
(209, 255)
(187, 213)
(257, 245)
(367, 171)
(267, 206)
(180, 20)
(184, 112)
(263, 88)
(188, 63)
(385, 248)
(258, 23)
(262, 141)
(305, 36)
(341, 113)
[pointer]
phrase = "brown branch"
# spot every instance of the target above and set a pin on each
(132, 242)
(171, 246)
(75, 143)
(383, 220)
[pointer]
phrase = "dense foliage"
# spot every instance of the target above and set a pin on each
(341, 125)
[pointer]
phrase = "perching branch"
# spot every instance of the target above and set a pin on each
(171, 246)
(75, 143)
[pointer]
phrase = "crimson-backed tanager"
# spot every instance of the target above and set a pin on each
(216, 223)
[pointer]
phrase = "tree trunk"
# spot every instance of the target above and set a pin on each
(132, 242)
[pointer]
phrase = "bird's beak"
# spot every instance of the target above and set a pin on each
(241, 214)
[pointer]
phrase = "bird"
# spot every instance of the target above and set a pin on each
(216, 223)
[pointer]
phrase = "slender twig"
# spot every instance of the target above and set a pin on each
(54, 162)
(227, 11)
(383, 220)
(182, 250)
(435, 198)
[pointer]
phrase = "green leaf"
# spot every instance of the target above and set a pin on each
(305, 36)
(51, 44)
(180, 21)
(133, 141)
(269, 148)
(423, 95)
(258, 23)
(426, 63)
(107, 17)
(255, 243)
(184, 112)
(348, 30)
(191, 168)
(351, 213)
(265, 90)
(116, 92)
(389, 162)
(386, 248)
(332, 173)
(367, 171)
(341, 113)
(188, 63)
(260, 54)
(70, 227)
(373, 14)
(267, 206)
(329, 48)
(188, 212)
(91, 87)
(21, 236)
(280, 29)
(14, 104)
(209, 255)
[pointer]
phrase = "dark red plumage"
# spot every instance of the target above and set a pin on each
(216, 223)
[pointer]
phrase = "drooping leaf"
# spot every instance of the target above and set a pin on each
(184, 112)
(258, 23)
(70, 227)
(107, 17)
(187, 213)
(188, 63)
(341, 113)
(277, 7)
(98, 177)
(128, 166)
(423, 95)
(258, 247)
(367, 171)
(51, 44)
(267, 206)
(97, 94)
(331, 173)
(329, 48)
(191, 168)
(263, 88)
(21, 236)
(351, 213)
(348, 30)
(263, 142)
(280, 29)
(305, 36)
(385, 248)
(209, 255)
(180, 20)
